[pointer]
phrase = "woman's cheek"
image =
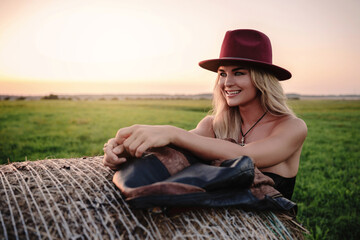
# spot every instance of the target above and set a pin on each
(221, 83)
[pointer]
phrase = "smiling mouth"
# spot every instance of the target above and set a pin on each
(232, 93)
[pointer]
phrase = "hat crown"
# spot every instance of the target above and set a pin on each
(246, 44)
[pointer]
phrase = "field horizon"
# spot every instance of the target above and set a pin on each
(123, 96)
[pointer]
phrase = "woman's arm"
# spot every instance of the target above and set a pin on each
(137, 139)
(115, 154)
(284, 141)
(204, 127)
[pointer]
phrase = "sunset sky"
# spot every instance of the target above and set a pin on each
(154, 46)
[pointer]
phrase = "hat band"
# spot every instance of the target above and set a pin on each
(245, 59)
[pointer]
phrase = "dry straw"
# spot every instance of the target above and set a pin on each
(75, 199)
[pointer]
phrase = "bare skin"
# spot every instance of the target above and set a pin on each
(274, 144)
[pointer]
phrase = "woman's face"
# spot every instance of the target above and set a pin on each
(236, 85)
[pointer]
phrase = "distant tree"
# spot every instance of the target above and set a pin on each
(20, 98)
(50, 97)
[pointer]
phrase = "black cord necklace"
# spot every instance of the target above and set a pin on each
(243, 135)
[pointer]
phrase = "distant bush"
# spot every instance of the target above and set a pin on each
(20, 98)
(50, 97)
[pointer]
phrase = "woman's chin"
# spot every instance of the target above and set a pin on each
(232, 103)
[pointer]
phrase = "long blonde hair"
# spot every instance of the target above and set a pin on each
(227, 120)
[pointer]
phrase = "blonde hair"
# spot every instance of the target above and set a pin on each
(227, 120)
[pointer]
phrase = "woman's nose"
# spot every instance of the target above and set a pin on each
(229, 81)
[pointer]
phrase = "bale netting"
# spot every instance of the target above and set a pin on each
(76, 199)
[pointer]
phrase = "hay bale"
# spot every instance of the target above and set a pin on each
(76, 199)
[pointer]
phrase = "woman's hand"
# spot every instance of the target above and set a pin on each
(139, 138)
(114, 154)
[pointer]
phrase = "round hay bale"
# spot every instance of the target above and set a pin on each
(76, 199)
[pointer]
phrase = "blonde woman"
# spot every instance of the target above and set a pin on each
(249, 106)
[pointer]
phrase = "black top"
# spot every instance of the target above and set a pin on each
(284, 185)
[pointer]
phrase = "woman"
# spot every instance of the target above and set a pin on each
(249, 106)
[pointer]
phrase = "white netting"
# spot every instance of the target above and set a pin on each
(75, 199)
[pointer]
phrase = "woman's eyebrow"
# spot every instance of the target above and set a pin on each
(239, 68)
(233, 70)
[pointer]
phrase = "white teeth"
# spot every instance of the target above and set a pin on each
(232, 92)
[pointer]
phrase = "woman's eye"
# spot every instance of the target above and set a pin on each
(222, 74)
(239, 73)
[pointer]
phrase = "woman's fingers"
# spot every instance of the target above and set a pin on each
(138, 135)
(118, 149)
(108, 147)
(142, 148)
(111, 158)
(115, 165)
(138, 138)
(112, 161)
(124, 133)
(121, 152)
(133, 142)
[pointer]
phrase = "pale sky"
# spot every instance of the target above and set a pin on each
(154, 46)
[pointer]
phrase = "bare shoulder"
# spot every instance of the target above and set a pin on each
(207, 121)
(205, 127)
(292, 125)
(297, 123)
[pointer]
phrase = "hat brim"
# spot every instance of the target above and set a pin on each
(213, 65)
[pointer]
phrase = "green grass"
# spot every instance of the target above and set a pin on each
(60, 129)
(328, 184)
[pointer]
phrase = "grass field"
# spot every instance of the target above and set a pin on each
(328, 184)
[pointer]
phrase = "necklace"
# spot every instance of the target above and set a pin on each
(243, 135)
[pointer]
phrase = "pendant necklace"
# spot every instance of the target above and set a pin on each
(243, 135)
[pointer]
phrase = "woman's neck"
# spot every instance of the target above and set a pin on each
(251, 113)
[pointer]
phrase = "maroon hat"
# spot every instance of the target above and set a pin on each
(246, 47)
